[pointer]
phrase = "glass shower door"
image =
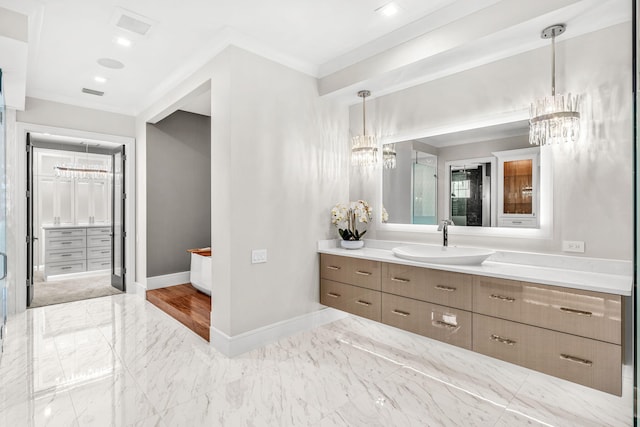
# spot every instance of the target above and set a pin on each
(3, 218)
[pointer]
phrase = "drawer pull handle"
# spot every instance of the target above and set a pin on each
(65, 232)
(576, 359)
(66, 243)
(501, 340)
(445, 288)
(502, 298)
(333, 295)
(360, 302)
(65, 255)
(66, 268)
(399, 279)
(333, 267)
(400, 313)
(363, 273)
(516, 222)
(445, 324)
(574, 311)
(105, 263)
(104, 252)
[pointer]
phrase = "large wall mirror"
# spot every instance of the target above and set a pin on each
(482, 177)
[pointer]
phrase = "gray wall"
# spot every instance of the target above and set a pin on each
(178, 191)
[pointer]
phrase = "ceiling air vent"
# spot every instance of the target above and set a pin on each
(92, 92)
(132, 22)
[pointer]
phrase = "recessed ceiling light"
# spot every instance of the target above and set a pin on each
(388, 9)
(100, 79)
(110, 63)
(123, 41)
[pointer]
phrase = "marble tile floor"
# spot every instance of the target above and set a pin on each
(120, 361)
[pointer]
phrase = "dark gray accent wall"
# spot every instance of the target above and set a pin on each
(178, 191)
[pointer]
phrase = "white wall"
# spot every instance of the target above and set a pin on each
(592, 181)
(279, 163)
(49, 113)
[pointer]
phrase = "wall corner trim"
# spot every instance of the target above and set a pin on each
(232, 346)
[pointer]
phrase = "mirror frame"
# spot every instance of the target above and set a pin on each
(545, 229)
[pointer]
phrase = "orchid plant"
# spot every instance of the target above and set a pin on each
(347, 218)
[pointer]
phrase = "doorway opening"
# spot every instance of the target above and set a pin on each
(75, 219)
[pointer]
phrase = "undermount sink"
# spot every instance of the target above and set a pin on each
(443, 254)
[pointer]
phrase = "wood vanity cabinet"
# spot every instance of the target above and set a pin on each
(567, 333)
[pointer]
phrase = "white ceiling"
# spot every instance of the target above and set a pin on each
(321, 38)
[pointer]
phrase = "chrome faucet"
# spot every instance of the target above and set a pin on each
(444, 224)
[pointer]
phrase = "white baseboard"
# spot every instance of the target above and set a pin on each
(167, 280)
(238, 344)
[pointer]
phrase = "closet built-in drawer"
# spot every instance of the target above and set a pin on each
(352, 299)
(65, 232)
(582, 360)
(66, 267)
(66, 243)
(99, 264)
(443, 323)
(96, 241)
(440, 287)
(62, 255)
(584, 313)
(99, 231)
(103, 252)
(354, 271)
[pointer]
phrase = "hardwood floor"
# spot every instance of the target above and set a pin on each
(186, 304)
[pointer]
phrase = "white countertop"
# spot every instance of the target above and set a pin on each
(62, 227)
(608, 276)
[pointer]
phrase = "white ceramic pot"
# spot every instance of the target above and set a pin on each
(352, 244)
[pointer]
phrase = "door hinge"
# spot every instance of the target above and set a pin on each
(28, 282)
(124, 270)
(124, 196)
(27, 239)
(28, 194)
(124, 157)
(124, 234)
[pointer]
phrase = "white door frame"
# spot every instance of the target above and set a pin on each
(17, 211)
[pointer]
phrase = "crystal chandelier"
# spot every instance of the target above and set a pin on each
(389, 156)
(364, 148)
(554, 119)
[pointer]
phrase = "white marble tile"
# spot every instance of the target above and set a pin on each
(114, 399)
(121, 361)
(47, 409)
(552, 401)
(410, 398)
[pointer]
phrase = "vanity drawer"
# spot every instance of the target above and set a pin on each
(61, 255)
(497, 297)
(584, 361)
(66, 243)
(65, 267)
(442, 323)
(94, 241)
(439, 287)
(589, 314)
(352, 299)
(99, 231)
(517, 222)
(93, 253)
(354, 271)
(99, 264)
(65, 232)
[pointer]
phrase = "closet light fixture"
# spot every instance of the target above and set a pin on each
(364, 148)
(389, 156)
(554, 119)
(81, 170)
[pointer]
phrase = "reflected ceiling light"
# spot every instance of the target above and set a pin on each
(111, 63)
(123, 41)
(364, 149)
(389, 156)
(100, 79)
(388, 9)
(554, 119)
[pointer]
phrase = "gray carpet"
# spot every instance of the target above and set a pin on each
(56, 292)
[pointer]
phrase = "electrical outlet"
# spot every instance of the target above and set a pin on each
(572, 246)
(258, 256)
